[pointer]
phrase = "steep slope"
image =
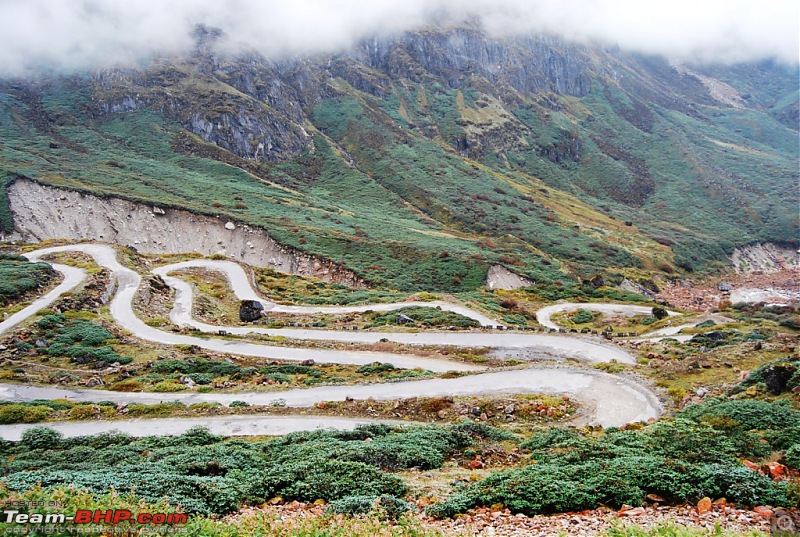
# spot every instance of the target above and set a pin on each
(420, 161)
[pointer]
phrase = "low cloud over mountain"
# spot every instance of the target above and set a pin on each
(65, 35)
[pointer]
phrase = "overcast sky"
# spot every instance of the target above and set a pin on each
(78, 34)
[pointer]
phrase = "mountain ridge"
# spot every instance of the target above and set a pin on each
(557, 160)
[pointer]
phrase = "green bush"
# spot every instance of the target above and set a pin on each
(352, 505)
(425, 317)
(201, 378)
(389, 506)
(694, 455)
(17, 275)
(377, 367)
(48, 322)
(41, 438)
(280, 378)
(80, 340)
(205, 474)
(792, 456)
(582, 316)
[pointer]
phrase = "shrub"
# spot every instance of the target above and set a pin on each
(166, 386)
(280, 378)
(41, 438)
(377, 367)
(684, 459)
(128, 385)
(390, 507)
(198, 436)
(582, 316)
(352, 505)
(201, 378)
(48, 322)
(792, 456)
(82, 412)
(19, 413)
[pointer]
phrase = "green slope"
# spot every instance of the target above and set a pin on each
(417, 185)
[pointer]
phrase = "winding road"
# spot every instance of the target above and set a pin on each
(607, 400)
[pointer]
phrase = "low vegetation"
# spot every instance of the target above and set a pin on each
(18, 277)
(205, 474)
(695, 455)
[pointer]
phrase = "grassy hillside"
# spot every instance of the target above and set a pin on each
(419, 184)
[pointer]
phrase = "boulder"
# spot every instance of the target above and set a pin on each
(659, 313)
(403, 319)
(704, 505)
(777, 376)
(250, 311)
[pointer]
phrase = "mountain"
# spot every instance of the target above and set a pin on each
(419, 161)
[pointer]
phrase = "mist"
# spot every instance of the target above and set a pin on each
(73, 35)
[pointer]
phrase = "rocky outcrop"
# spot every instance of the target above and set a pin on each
(766, 257)
(500, 277)
(634, 287)
(42, 212)
(257, 108)
(265, 126)
(528, 65)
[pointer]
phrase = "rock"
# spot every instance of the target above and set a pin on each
(704, 506)
(777, 376)
(655, 498)
(230, 226)
(41, 343)
(701, 392)
(250, 310)
(627, 510)
(763, 511)
(714, 335)
(308, 362)
(157, 283)
(751, 465)
(158, 210)
(776, 470)
(660, 313)
(403, 319)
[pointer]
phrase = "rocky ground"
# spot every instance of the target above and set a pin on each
(498, 521)
(780, 286)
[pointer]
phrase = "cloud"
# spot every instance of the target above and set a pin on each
(82, 34)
